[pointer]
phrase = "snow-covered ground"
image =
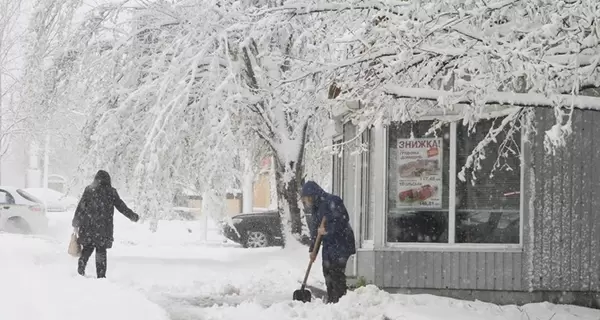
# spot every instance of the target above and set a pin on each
(173, 274)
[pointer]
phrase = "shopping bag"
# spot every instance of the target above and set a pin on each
(74, 247)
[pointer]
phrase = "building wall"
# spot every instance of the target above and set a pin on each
(567, 229)
(560, 241)
(450, 270)
(262, 191)
(423, 267)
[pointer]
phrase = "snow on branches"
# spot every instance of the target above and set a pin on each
(546, 47)
(140, 75)
(405, 59)
(177, 93)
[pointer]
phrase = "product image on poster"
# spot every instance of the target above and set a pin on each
(418, 194)
(419, 168)
(419, 173)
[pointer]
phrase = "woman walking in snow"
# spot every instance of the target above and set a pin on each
(93, 221)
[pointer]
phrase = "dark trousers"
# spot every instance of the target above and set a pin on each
(335, 279)
(86, 253)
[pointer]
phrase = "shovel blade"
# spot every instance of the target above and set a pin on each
(302, 295)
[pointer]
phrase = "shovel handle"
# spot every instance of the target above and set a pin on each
(315, 251)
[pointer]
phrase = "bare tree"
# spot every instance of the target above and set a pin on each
(10, 122)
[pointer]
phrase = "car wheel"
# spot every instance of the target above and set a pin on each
(256, 239)
(17, 225)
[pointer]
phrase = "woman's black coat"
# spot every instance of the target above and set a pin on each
(95, 212)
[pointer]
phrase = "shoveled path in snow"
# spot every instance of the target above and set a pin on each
(211, 276)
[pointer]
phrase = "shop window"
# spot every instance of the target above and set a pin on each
(418, 169)
(487, 206)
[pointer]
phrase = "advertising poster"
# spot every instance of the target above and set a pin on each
(420, 173)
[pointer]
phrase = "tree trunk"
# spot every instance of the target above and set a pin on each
(289, 176)
(289, 183)
(288, 193)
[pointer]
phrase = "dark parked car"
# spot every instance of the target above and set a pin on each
(258, 230)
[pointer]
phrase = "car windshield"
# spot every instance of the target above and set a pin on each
(28, 196)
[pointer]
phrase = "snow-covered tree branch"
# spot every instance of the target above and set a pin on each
(178, 93)
(405, 59)
(482, 49)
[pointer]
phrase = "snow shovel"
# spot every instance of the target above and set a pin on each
(303, 294)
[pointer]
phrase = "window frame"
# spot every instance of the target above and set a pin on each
(360, 187)
(337, 165)
(365, 187)
(353, 198)
(451, 245)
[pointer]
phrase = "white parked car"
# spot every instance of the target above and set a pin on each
(21, 212)
(53, 200)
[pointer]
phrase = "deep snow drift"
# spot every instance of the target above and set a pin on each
(172, 274)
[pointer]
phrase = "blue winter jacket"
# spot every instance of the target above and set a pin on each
(338, 244)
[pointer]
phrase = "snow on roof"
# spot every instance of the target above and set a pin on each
(498, 98)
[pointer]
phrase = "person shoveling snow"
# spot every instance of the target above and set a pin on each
(338, 236)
